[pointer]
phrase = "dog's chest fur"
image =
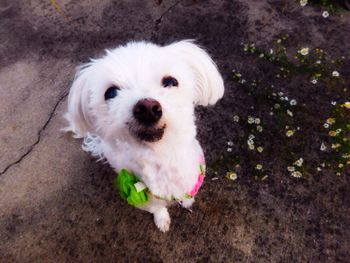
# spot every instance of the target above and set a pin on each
(169, 171)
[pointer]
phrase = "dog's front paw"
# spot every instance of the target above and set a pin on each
(162, 219)
(187, 203)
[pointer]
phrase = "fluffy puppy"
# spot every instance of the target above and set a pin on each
(134, 107)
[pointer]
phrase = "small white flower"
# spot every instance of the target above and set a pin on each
(258, 166)
(326, 125)
(346, 156)
(318, 62)
(314, 81)
(231, 175)
(333, 103)
(303, 2)
(319, 169)
(230, 143)
(293, 102)
(304, 51)
(335, 74)
(257, 121)
(236, 118)
(290, 113)
(250, 142)
(291, 168)
(330, 121)
(259, 128)
(271, 113)
(335, 146)
(251, 137)
(277, 106)
(325, 14)
(289, 133)
(280, 94)
(271, 51)
(261, 55)
(264, 177)
(251, 120)
(297, 174)
(323, 147)
(251, 147)
(299, 162)
(229, 149)
(260, 149)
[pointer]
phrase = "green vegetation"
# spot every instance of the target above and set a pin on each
(284, 129)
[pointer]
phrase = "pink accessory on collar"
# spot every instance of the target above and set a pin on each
(200, 179)
(199, 183)
(196, 187)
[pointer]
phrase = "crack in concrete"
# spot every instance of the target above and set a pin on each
(159, 20)
(31, 148)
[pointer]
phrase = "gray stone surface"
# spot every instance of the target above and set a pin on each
(58, 205)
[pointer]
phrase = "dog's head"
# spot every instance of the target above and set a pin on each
(143, 91)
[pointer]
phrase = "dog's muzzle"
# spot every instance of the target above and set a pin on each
(147, 113)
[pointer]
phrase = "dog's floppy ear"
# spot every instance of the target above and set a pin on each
(78, 115)
(209, 83)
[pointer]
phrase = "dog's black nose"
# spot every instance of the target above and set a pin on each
(147, 111)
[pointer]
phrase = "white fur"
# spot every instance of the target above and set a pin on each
(169, 167)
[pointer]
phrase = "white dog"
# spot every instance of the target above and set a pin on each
(135, 108)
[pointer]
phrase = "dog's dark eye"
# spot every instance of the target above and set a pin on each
(111, 92)
(169, 82)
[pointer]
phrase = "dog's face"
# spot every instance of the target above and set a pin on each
(143, 91)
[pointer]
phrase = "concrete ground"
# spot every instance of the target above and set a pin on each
(58, 205)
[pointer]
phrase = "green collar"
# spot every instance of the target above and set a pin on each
(136, 193)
